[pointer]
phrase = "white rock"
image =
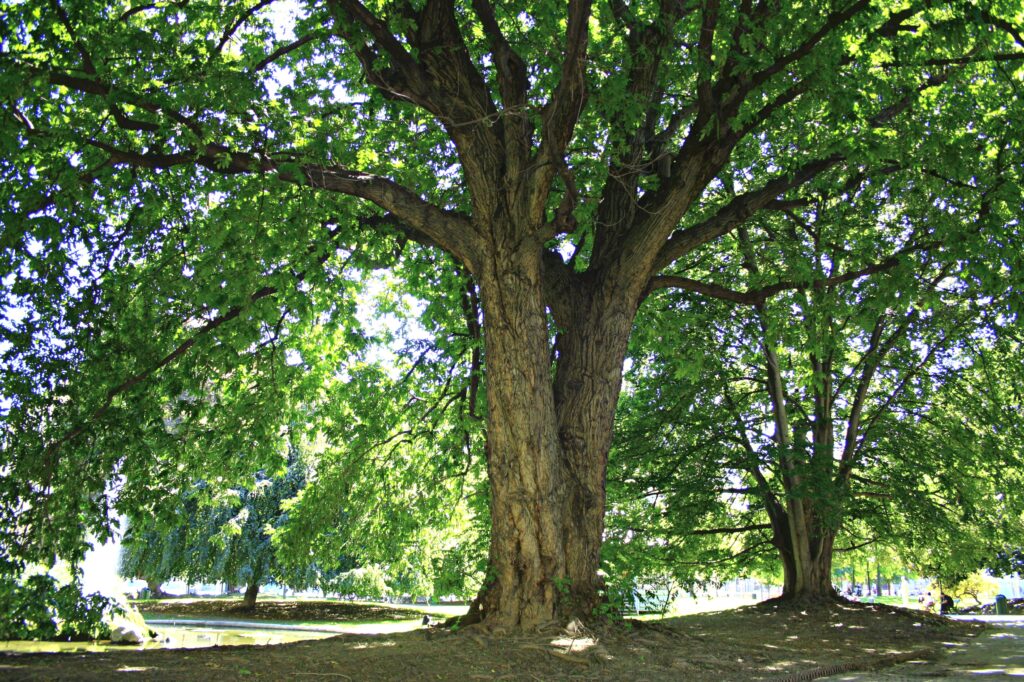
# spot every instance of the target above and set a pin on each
(126, 633)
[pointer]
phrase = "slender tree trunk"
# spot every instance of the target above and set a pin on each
(249, 600)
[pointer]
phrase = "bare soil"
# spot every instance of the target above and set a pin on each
(761, 642)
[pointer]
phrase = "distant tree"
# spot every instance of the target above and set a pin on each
(156, 553)
(217, 535)
(978, 586)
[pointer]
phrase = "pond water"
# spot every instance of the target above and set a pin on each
(178, 637)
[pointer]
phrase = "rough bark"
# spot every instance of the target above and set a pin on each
(806, 561)
(527, 555)
(548, 440)
(251, 592)
(591, 346)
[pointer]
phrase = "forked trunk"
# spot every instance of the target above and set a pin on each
(807, 564)
(547, 447)
(249, 600)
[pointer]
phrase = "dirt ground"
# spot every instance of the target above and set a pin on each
(761, 642)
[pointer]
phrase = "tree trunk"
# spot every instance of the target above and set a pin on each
(807, 569)
(590, 350)
(547, 448)
(155, 588)
(249, 600)
(527, 554)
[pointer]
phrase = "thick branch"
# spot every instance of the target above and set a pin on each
(737, 211)
(563, 110)
(452, 231)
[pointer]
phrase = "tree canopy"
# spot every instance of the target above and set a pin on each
(196, 190)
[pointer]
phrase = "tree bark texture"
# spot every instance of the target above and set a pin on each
(806, 556)
(251, 592)
(548, 442)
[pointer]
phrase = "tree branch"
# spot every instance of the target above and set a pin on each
(179, 351)
(832, 22)
(735, 529)
(562, 111)
(760, 296)
(286, 49)
(737, 211)
(230, 30)
(959, 61)
(513, 82)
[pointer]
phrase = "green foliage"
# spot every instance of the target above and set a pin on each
(862, 431)
(206, 533)
(197, 194)
(961, 504)
(1006, 563)
(369, 581)
(977, 586)
(36, 607)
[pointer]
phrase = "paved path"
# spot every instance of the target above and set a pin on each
(997, 653)
(240, 624)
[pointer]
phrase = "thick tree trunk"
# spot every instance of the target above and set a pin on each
(590, 351)
(249, 600)
(547, 448)
(155, 588)
(527, 554)
(807, 569)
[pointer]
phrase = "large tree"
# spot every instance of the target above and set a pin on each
(563, 154)
(825, 416)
